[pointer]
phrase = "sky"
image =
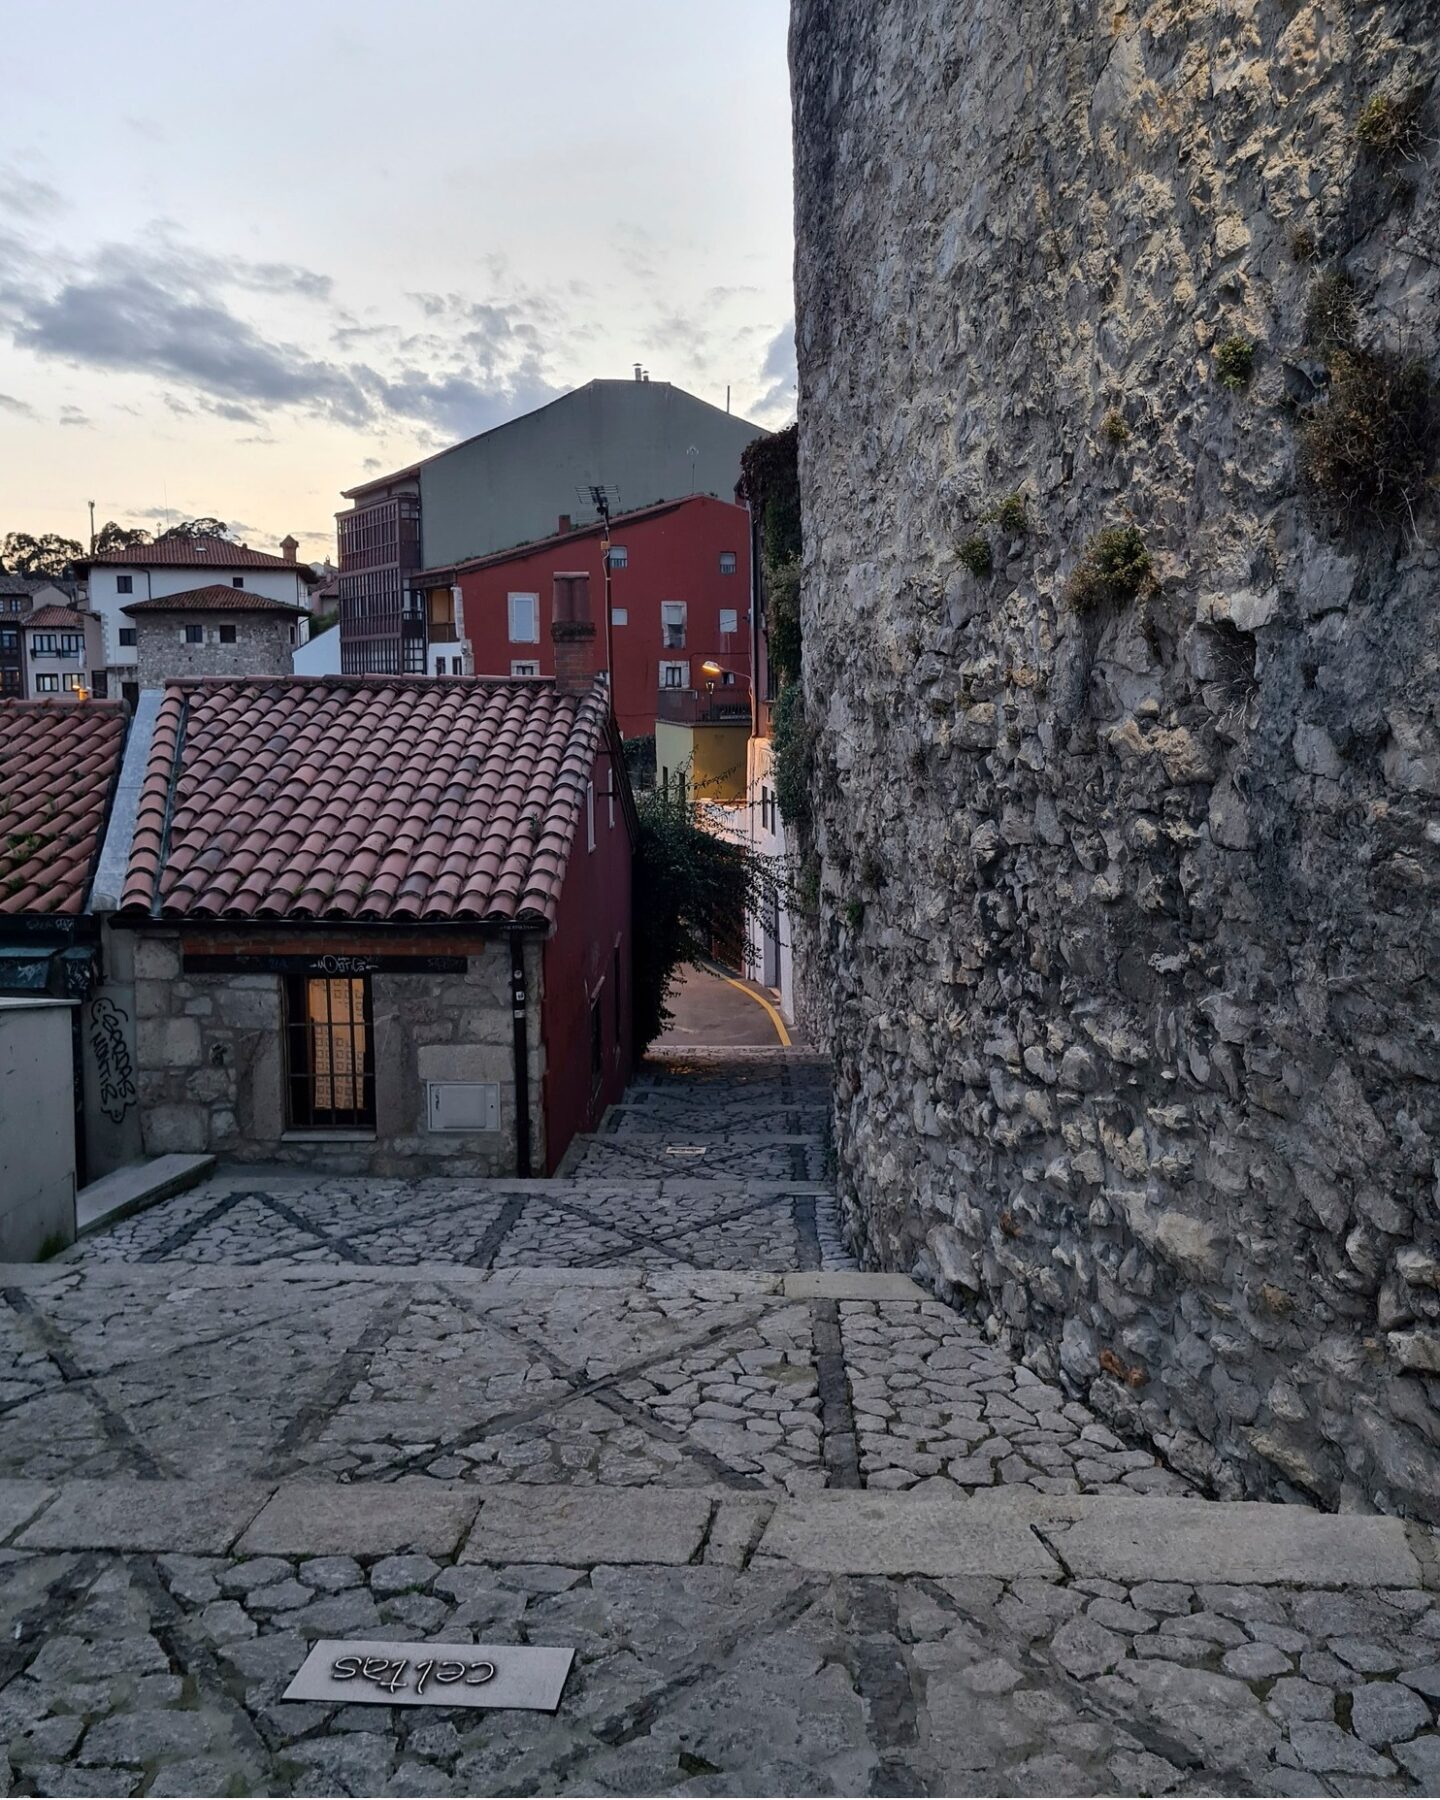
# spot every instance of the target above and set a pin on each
(252, 254)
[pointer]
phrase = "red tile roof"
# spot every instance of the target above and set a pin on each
(55, 618)
(363, 798)
(58, 761)
(214, 598)
(196, 553)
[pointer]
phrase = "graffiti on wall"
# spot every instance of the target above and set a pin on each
(113, 1061)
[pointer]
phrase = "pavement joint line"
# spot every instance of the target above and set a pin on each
(352, 1367)
(192, 1228)
(324, 1239)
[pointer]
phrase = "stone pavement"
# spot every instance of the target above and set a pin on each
(808, 1531)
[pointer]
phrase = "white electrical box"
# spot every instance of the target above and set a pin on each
(463, 1105)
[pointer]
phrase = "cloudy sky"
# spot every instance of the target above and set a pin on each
(249, 254)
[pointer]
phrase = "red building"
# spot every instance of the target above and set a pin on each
(679, 595)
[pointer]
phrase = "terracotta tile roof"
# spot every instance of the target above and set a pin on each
(196, 553)
(55, 618)
(213, 598)
(58, 761)
(363, 798)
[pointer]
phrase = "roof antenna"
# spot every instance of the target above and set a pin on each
(637, 371)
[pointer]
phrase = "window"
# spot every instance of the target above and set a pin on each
(674, 674)
(47, 684)
(194, 634)
(71, 643)
(729, 562)
(99, 684)
(610, 793)
(237, 581)
(672, 624)
(619, 615)
(43, 644)
(619, 557)
(127, 635)
(589, 815)
(292, 634)
(9, 639)
(767, 810)
(9, 681)
(524, 668)
(729, 621)
(71, 682)
(329, 1053)
(124, 584)
(227, 634)
(524, 618)
(457, 665)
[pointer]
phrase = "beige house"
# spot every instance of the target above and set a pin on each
(61, 653)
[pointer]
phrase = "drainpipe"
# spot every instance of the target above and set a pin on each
(522, 1055)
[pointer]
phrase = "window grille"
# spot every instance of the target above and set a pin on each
(329, 1053)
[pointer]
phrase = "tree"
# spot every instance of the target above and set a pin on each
(112, 536)
(195, 528)
(50, 554)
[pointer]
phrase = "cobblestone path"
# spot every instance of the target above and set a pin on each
(808, 1531)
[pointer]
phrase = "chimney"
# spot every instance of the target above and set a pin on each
(572, 632)
(288, 547)
(565, 524)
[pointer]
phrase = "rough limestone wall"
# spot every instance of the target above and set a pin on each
(1127, 924)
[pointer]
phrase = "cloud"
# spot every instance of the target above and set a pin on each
(779, 371)
(9, 404)
(27, 198)
(166, 309)
(72, 415)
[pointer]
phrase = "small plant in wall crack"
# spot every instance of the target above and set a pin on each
(1113, 429)
(1330, 315)
(854, 914)
(1390, 127)
(1367, 448)
(1115, 568)
(975, 555)
(1235, 362)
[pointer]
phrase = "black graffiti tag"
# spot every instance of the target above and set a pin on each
(112, 1058)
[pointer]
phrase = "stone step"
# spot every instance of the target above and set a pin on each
(137, 1185)
(1008, 1535)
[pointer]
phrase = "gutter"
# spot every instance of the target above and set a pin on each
(108, 884)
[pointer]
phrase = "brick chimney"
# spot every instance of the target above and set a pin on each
(572, 632)
(288, 548)
(565, 524)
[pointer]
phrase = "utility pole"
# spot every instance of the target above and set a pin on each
(91, 505)
(600, 500)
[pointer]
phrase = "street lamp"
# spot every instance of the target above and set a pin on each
(712, 668)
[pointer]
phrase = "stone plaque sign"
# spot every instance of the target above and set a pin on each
(369, 1671)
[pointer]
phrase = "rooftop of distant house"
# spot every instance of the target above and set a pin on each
(212, 598)
(364, 798)
(56, 618)
(58, 764)
(196, 553)
(27, 586)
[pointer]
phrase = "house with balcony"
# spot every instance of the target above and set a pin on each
(63, 653)
(121, 578)
(677, 578)
(609, 448)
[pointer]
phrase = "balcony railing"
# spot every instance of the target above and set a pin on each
(689, 706)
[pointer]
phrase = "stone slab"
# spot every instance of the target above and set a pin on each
(377, 1518)
(579, 1527)
(1231, 1542)
(378, 1673)
(898, 1534)
(134, 1187)
(200, 1518)
(19, 1503)
(842, 1284)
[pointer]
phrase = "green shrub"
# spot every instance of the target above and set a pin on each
(854, 914)
(782, 617)
(1389, 127)
(1010, 515)
(793, 746)
(975, 554)
(1330, 312)
(1113, 429)
(1235, 361)
(1113, 569)
(1367, 447)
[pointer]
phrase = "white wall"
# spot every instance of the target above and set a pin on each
(37, 1127)
(760, 773)
(152, 584)
(321, 656)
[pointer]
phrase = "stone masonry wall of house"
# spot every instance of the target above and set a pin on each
(262, 646)
(1126, 929)
(209, 1065)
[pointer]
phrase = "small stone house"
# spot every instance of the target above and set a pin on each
(380, 924)
(213, 630)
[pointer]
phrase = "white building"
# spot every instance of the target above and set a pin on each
(119, 578)
(769, 960)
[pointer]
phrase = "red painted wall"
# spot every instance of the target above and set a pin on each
(674, 556)
(592, 920)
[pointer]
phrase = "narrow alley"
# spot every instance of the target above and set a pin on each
(807, 1530)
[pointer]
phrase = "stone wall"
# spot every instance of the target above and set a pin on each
(1126, 928)
(263, 645)
(210, 1075)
